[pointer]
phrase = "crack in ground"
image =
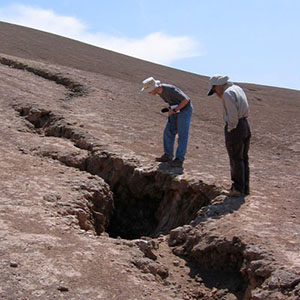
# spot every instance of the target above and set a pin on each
(75, 89)
(147, 202)
(150, 203)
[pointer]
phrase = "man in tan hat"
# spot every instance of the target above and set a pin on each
(180, 112)
(237, 131)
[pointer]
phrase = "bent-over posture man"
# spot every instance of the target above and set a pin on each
(180, 113)
(237, 131)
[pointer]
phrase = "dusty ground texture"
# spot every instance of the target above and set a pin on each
(85, 211)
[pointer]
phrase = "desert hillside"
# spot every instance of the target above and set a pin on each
(87, 213)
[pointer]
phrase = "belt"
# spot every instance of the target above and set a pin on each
(244, 118)
(188, 104)
(174, 106)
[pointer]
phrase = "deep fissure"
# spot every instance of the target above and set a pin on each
(146, 203)
(136, 210)
(132, 218)
(139, 213)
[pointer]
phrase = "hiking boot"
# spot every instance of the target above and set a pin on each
(163, 158)
(233, 192)
(176, 163)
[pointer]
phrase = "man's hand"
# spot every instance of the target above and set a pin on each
(171, 112)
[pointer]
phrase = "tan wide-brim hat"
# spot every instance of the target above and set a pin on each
(150, 84)
(216, 80)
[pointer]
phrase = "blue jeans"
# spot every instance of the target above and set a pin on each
(178, 124)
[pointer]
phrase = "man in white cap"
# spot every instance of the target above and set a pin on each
(237, 131)
(180, 112)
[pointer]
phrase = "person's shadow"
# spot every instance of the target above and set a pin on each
(218, 209)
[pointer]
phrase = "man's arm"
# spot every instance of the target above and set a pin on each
(180, 106)
(232, 111)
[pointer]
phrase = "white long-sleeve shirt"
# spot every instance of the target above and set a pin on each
(235, 105)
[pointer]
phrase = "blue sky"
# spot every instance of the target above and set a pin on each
(255, 41)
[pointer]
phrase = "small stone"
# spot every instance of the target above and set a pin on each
(13, 264)
(62, 288)
(147, 248)
(253, 253)
(198, 279)
(176, 263)
(283, 279)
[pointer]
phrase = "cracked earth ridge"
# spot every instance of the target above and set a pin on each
(33, 112)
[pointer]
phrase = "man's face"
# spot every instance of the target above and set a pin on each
(219, 90)
(155, 91)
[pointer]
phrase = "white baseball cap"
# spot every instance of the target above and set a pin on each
(216, 80)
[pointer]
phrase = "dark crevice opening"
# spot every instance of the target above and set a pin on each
(145, 204)
(136, 215)
(144, 210)
(133, 218)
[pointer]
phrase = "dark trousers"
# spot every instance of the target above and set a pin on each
(237, 144)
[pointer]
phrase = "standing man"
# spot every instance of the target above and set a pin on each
(237, 131)
(180, 113)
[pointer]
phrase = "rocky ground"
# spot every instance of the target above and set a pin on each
(86, 212)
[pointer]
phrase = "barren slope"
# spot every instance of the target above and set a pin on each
(72, 118)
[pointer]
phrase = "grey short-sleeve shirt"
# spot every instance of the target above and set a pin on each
(172, 94)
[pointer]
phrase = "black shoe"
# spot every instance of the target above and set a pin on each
(163, 158)
(233, 192)
(176, 163)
